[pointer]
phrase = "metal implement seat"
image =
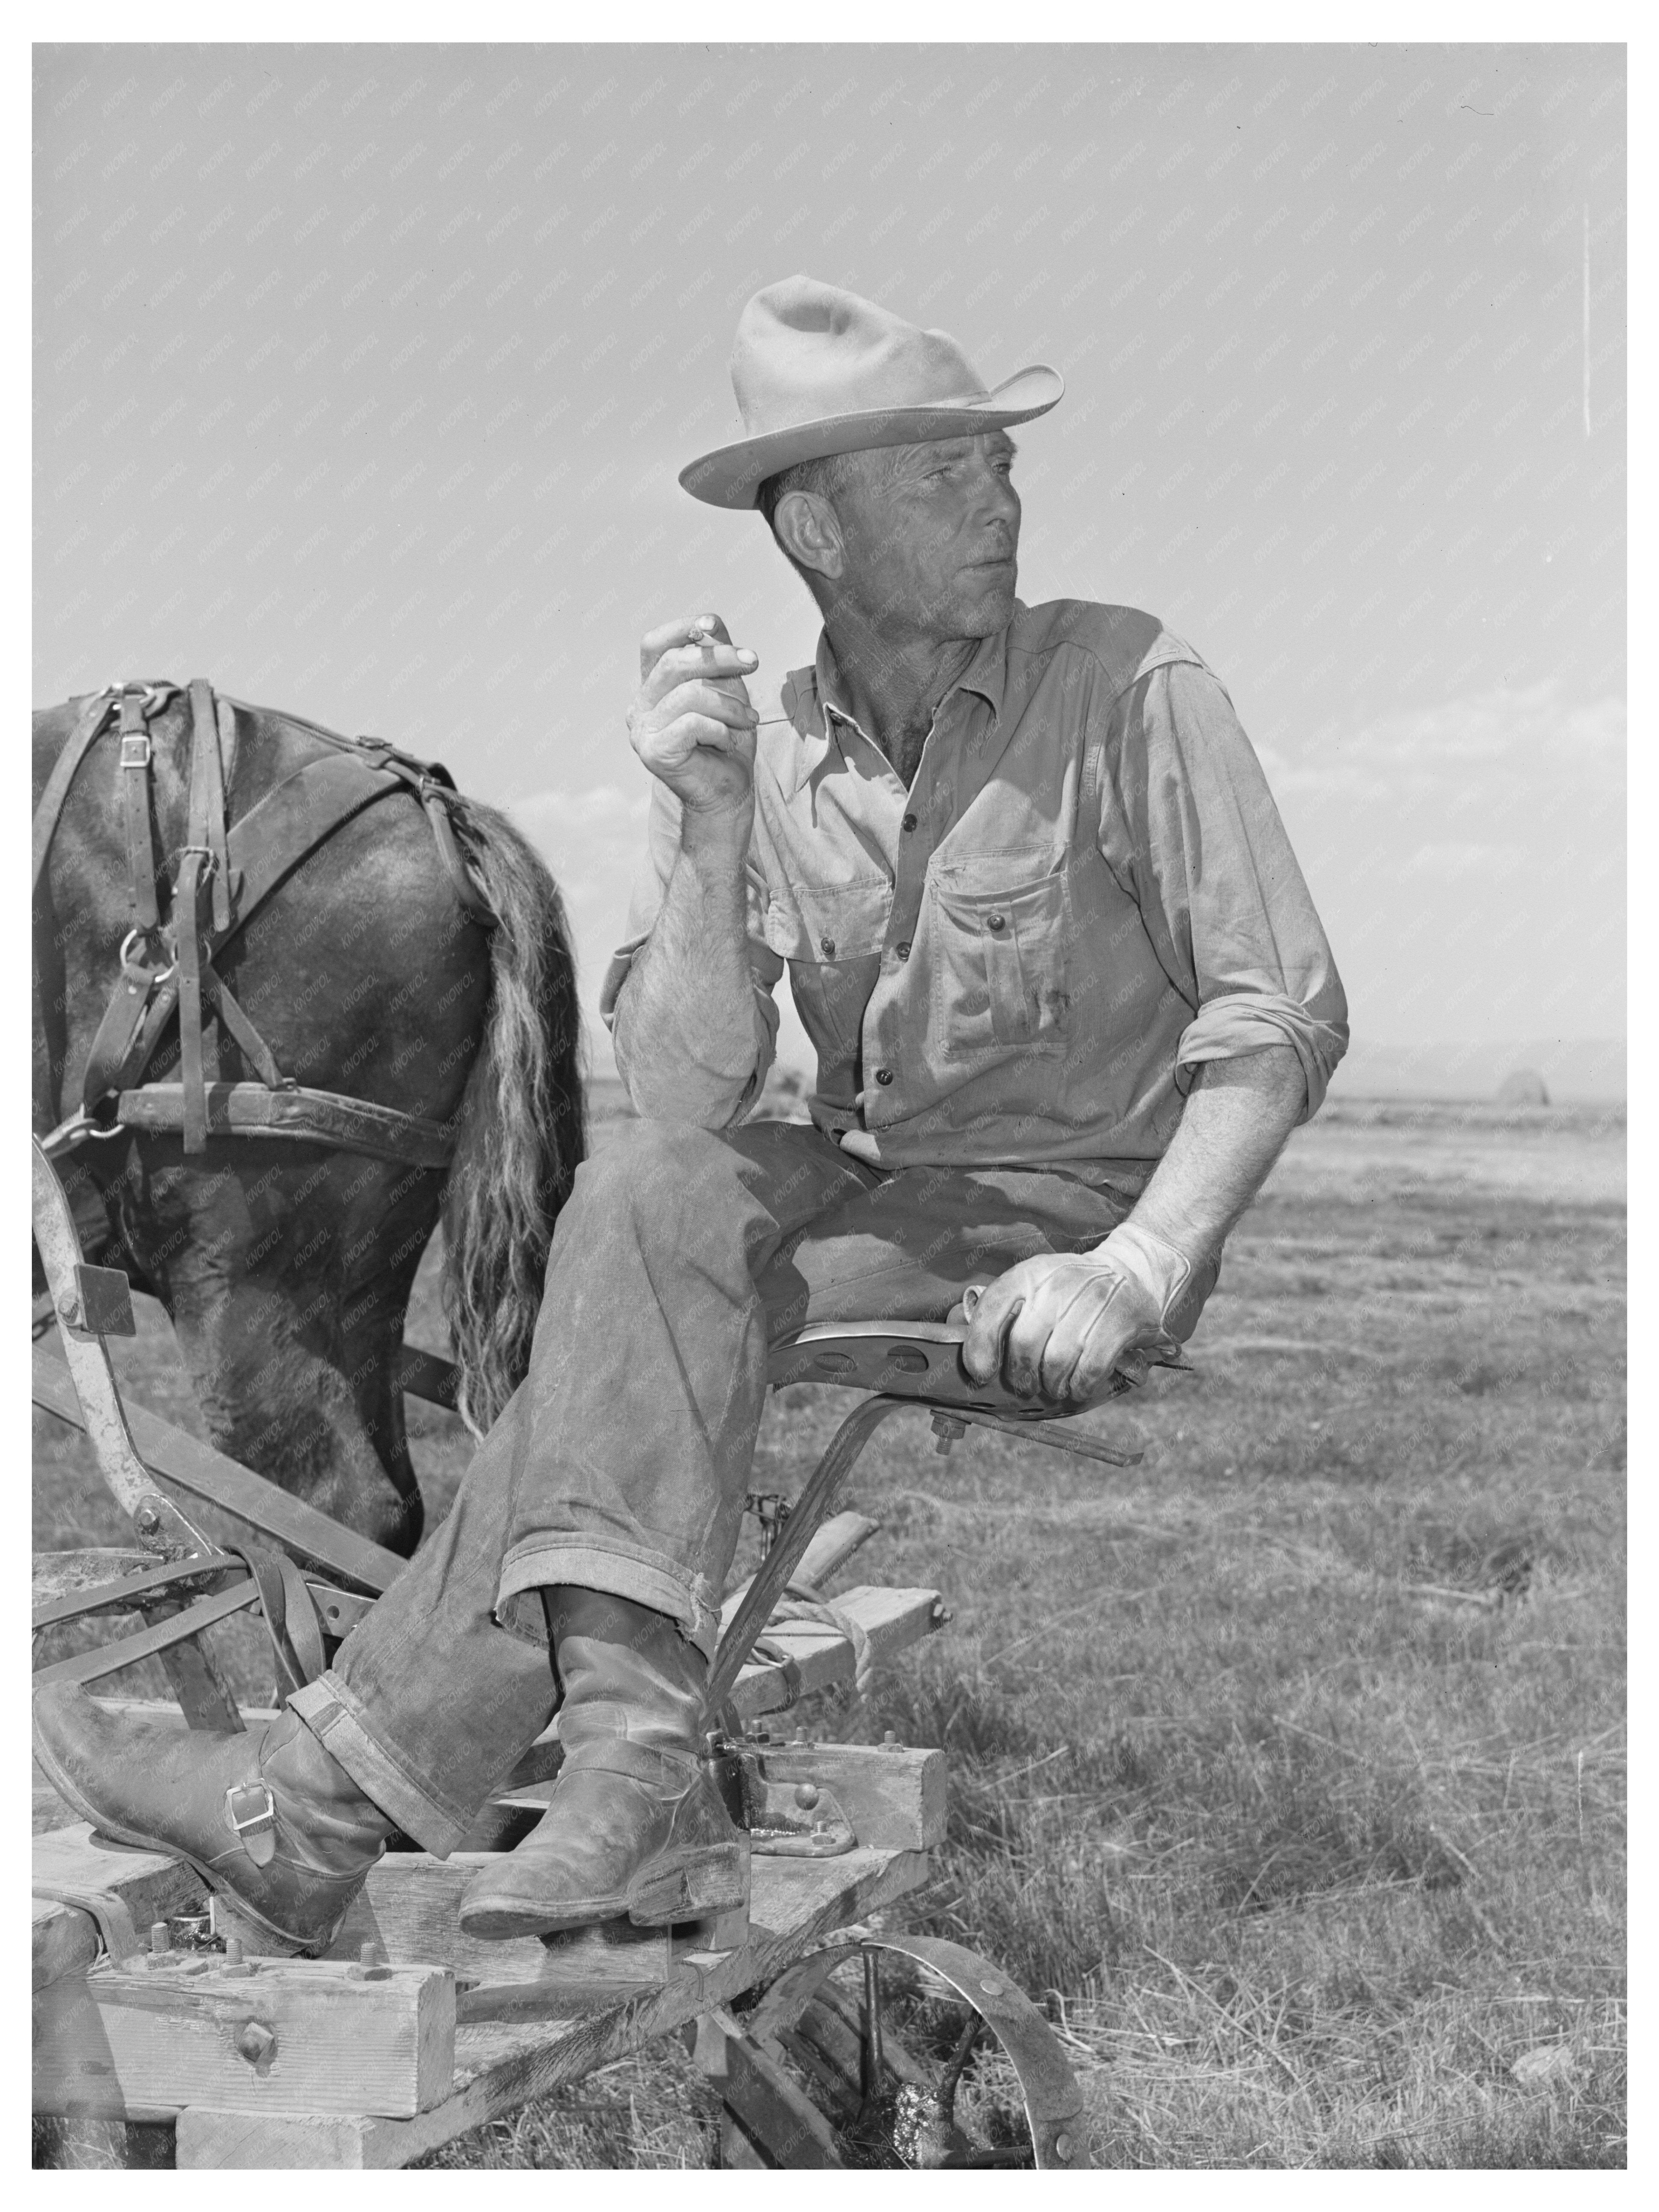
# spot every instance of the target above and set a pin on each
(904, 1363)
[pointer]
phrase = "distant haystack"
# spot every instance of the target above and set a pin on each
(1525, 1087)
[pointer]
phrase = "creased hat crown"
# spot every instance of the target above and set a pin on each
(807, 350)
(818, 370)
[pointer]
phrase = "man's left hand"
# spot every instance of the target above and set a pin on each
(1059, 1327)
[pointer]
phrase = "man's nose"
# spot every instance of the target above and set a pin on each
(999, 503)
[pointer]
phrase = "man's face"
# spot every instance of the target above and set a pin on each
(931, 536)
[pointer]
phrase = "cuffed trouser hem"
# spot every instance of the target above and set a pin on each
(589, 1562)
(335, 1717)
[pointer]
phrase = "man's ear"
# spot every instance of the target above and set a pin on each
(805, 527)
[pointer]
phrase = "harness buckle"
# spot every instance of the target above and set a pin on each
(135, 749)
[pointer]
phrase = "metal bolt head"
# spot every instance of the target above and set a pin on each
(147, 1520)
(889, 1737)
(67, 1306)
(1062, 2147)
(992, 1987)
(255, 2042)
(806, 1796)
(371, 1965)
(233, 1950)
(160, 1936)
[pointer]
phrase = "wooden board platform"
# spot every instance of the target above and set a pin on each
(497, 2066)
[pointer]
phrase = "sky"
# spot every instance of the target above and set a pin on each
(363, 376)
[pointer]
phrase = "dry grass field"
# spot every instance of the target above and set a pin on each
(1289, 1764)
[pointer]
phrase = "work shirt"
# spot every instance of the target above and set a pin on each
(1085, 893)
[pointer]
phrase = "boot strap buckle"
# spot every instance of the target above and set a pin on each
(252, 1812)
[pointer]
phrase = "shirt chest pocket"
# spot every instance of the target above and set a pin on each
(832, 937)
(1001, 962)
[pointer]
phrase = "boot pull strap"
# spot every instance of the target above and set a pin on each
(636, 1762)
(251, 1810)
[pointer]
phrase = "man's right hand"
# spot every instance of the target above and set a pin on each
(691, 721)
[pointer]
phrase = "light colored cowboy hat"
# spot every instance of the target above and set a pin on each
(819, 371)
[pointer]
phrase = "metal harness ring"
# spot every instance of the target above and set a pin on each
(131, 967)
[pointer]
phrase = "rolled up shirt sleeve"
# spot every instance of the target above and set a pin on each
(1189, 828)
(656, 864)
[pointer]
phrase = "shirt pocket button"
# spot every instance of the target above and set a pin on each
(996, 923)
(883, 1075)
(827, 946)
(901, 952)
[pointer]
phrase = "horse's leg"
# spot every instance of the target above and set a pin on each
(265, 1357)
(253, 1265)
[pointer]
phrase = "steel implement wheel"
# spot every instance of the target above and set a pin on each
(902, 2051)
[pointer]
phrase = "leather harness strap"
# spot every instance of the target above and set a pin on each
(238, 866)
(264, 848)
(210, 779)
(187, 935)
(85, 734)
(292, 1621)
(205, 859)
(135, 791)
(290, 1110)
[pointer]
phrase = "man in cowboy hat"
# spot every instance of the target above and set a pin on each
(1068, 996)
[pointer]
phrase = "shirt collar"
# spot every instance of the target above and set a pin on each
(806, 692)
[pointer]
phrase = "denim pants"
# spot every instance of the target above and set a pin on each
(622, 1462)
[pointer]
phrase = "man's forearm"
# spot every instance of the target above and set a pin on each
(1237, 1116)
(688, 1038)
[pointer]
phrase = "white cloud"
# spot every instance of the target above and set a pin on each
(1484, 744)
(1454, 862)
(1467, 857)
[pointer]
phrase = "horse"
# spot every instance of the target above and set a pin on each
(361, 985)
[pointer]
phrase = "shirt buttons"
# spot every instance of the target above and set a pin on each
(996, 922)
(901, 952)
(827, 946)
(883, 1075)
(908, 823)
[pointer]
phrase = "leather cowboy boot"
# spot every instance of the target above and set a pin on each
(632, 1826)
(267, 1817)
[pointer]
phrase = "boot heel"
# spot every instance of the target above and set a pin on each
(714, 1879)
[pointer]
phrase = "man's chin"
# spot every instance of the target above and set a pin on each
(988, 604)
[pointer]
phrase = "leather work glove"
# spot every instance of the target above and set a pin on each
(1059, 1326)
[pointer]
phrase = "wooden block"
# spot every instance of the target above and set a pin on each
(501, 2066)
(289, 2036)
(252, 2142)
(409, 1905)
(891, 1618)
(895, 1798)
(63, 1939)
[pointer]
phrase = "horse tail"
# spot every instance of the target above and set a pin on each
(522, 1130)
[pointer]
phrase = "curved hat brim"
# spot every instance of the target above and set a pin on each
(731, 474)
